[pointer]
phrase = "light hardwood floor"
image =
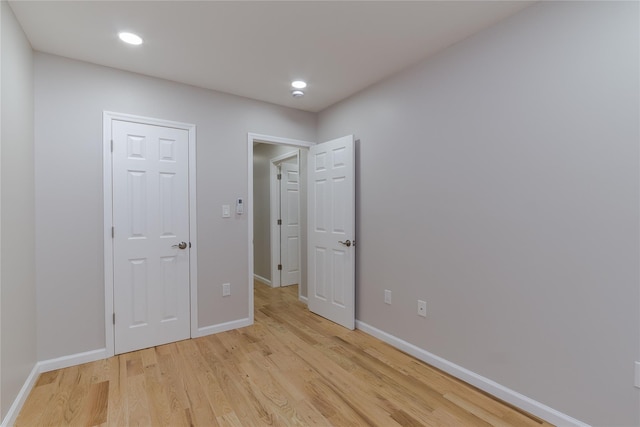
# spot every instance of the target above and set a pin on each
(290, 368)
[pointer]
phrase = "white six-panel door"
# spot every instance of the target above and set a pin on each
(331, 216)
(290, 229)
(151, 235)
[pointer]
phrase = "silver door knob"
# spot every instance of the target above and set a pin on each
(181, 245)
(347, 243)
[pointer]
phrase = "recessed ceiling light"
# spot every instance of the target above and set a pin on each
(299, 84)
(130, 38)
(297, 93)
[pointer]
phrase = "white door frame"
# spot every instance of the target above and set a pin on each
(274, 203)
(265, 139)
(107, 181)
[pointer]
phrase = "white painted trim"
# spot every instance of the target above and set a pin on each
(501, 392)
(302, 298)
(274, 204)
(223, 327)
(281, 158)
(107, 219)
(107, 118)
(266, 139)
(72, 360)
(274, 232)
(46, 366)
(249, 208)
(193, 230)
(16, 406)
(262, 279)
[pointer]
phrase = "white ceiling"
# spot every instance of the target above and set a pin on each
(255, 49)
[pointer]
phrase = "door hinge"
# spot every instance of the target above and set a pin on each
(279, 266)
(113, 232)
(279, 222)
(279, 176)
(114, 318)
(112, 145)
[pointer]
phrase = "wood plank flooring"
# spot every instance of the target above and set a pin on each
(290, 368)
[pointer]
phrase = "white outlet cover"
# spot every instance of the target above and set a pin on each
(422, 308)
(226, 289)
(387, 296)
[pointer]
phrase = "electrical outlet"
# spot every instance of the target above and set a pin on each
(387, 296)
(226, 289)
(422, 308)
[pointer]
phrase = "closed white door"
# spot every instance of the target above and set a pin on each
(151, 235)
(331, 216)
(290, 228)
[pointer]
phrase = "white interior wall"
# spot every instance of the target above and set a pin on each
(70, 98)
(17, 294)
(498, 181)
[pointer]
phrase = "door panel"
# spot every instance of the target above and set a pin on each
(290, 229)
(150, 217)
(331, 211)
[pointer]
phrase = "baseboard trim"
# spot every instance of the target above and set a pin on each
(72, 360)
(16, 406)
(262, 279)
(510, 396)
(223, 327)
(501, 392)
(303, 299)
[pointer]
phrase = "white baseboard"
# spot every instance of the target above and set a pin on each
(86, 357)
(223, 327)
(303, 299)
(510, 396)
(46, 366)
(501, 392)
(262, 279)
(72, 360)
(14, 410)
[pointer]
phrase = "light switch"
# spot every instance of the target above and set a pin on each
(226, 211)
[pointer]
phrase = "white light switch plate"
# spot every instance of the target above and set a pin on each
(226, 211)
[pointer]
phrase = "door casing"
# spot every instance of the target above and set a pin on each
(108, 117)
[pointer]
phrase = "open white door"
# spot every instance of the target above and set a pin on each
(290, 224)
(331, 219)
(151, 235)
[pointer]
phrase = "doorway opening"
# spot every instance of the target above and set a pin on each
(327, 230)
(269, 157)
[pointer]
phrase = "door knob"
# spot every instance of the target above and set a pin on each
(347, 243)
(181, 245)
